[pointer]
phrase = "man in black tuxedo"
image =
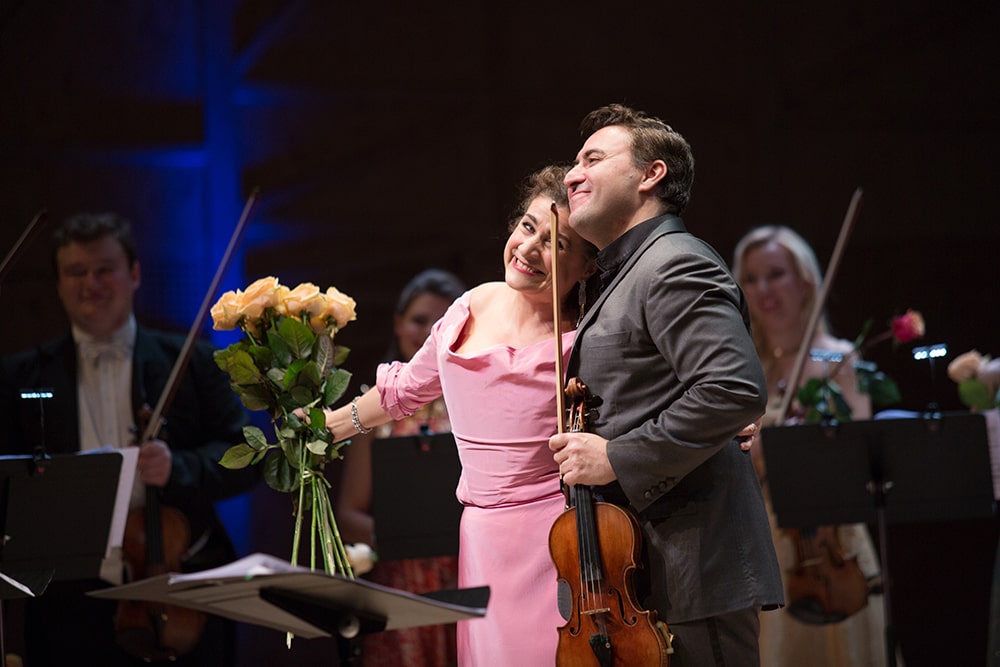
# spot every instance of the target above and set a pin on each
(103, 373)
(666, 351)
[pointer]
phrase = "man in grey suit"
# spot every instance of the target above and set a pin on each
(666, 351)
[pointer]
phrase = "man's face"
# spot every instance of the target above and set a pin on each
(603, 186)
(96, 285)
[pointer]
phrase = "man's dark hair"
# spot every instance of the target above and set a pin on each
(87, 227)
(652, 140)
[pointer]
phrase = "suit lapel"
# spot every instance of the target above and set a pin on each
(671, 224)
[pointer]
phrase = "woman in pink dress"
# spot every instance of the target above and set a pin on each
(492, 357)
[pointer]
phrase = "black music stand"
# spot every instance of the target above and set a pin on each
(267, 591)
(55, 517)
(414, 507)
(880, 471)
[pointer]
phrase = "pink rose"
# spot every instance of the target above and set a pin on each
(908, 327)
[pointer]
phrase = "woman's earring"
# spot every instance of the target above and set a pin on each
(582, 298)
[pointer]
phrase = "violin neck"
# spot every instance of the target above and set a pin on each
(586, 530)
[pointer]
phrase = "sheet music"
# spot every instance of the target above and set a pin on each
(111, 566)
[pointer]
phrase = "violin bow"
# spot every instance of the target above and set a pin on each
(831, 270)
(20, 241)
(557, 316)
(153, 427)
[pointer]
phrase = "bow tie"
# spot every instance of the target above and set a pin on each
(95, 350)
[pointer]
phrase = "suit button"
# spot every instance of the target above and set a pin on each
(648, 495)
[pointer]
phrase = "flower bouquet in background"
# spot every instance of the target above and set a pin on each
(823, 400)
(288, 365)
(978, 380)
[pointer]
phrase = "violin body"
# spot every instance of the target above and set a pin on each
(607, 608)
(156, 538)
(824, 586)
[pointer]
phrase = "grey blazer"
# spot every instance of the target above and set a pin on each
(667, 353)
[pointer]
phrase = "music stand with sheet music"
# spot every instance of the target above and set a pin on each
(414, 507)
(273, 593)
(880, 471)
(55, 517)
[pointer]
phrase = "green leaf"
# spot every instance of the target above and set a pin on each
(292, 373)
(335, 386)
(255, 437)
(317, 447)
(262, 355)
(323, 355)
(975, 394)
(222, 357)
(298, 336)
(340, 355)
(811, 393)
(279, 475)
(310, 375)
(317, 420)
(242, 369)
(302, 395)
(883, 389)
(238, 457)
(282, 353)
(255, 396)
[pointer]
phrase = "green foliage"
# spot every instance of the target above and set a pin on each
(294, 369)
(975, 394)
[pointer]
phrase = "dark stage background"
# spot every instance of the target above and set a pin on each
(387, 137)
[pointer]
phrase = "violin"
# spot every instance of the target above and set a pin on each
(158, 536)
(595, 547)
(824, 586)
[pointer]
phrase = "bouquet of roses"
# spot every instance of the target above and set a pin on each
(288, 365)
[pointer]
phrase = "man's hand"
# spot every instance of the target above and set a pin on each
(154, 463)
(749, 434)
(582, 458)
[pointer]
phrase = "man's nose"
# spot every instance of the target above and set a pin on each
(572, 176)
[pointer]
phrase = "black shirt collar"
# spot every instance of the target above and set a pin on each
(615, 254)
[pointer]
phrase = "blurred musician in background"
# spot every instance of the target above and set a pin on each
(103, 372)
(780, 275)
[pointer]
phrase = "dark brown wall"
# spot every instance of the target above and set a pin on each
(386, 137)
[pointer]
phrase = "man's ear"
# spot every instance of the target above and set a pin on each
(655, 172)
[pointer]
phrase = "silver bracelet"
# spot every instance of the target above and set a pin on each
(354, 417)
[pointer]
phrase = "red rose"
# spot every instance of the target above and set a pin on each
(908, 326)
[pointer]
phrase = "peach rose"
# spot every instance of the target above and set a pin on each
(259, 296)
(965, 366)
(304, 298)
(340, 307)
(226, 311)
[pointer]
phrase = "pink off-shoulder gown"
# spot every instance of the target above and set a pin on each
(501, 402)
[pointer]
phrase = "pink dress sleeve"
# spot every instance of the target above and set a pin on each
(405, 387)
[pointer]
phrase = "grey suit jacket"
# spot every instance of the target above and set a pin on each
(667, 353)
